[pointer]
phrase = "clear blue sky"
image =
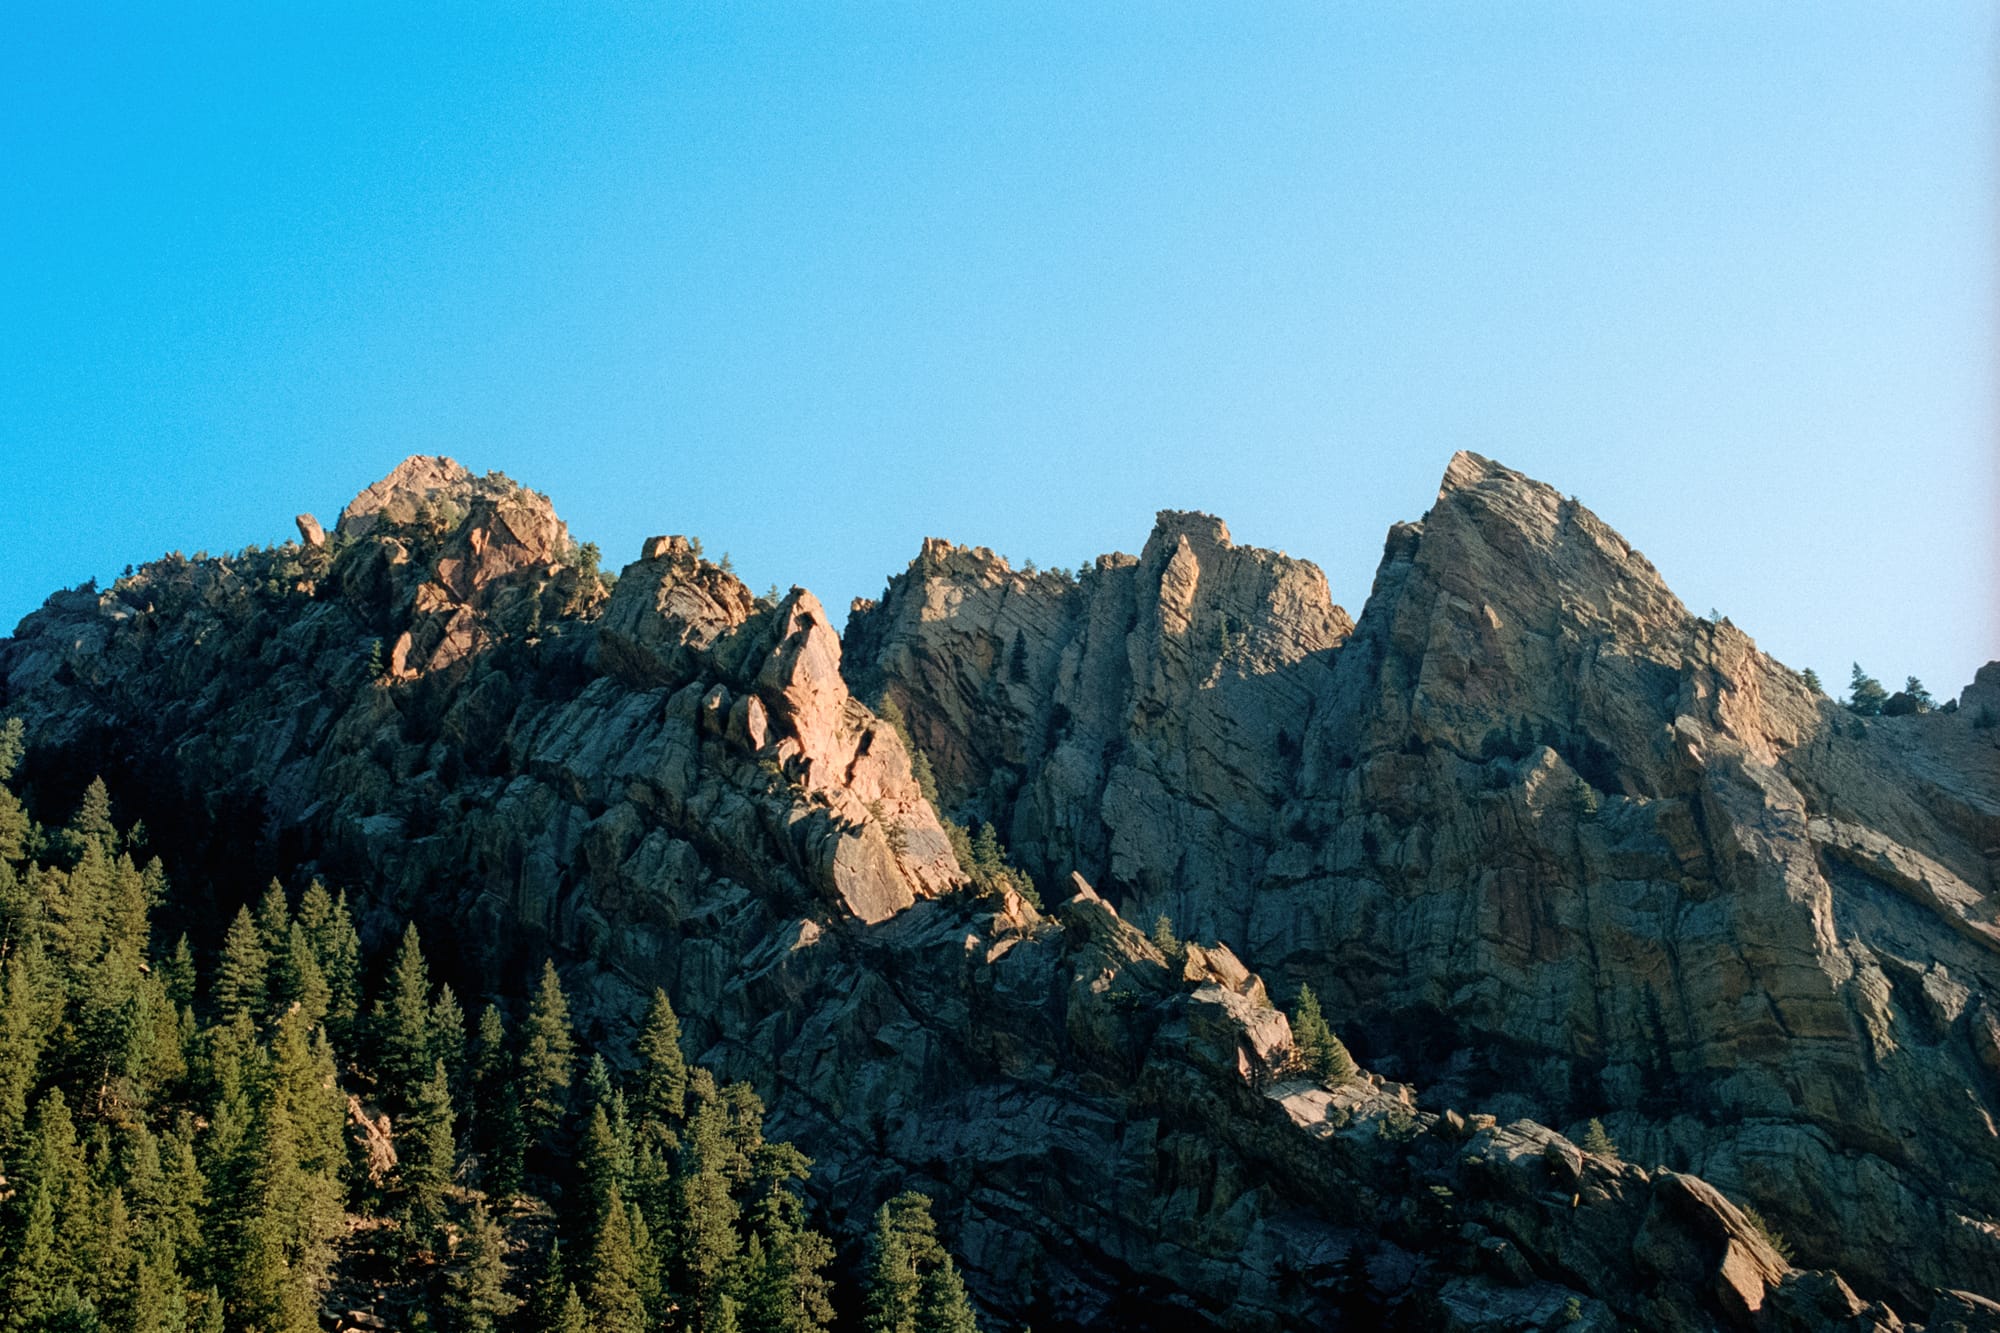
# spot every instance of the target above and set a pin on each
(814, 283)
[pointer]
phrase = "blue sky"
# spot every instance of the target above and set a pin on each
(814, 282)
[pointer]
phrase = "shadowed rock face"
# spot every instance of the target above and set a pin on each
(1631, 863)
(1542, 837)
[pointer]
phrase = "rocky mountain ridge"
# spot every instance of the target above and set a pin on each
(1526, 802)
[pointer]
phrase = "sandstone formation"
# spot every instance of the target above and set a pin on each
(1550, 848)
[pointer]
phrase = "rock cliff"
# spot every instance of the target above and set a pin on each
(1550, 846)
(1542, 838)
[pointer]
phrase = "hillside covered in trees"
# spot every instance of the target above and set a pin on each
(266, 1139)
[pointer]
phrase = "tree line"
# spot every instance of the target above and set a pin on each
(193, 1149)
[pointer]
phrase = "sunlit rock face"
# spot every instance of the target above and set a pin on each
(1534, 832)
(1141, 722)
(1547, 846)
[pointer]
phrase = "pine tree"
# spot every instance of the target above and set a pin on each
(604, 1164)
(572, 1317)
(447, 1037)
(611, 1275)
(489, 1071)
(298, 978)
(242, 974)
(91, 823)
(596, 1082)
(52, 1198)
(1595, 1140)
(1865, 694)
(1321, 1052)
(209, 1314)
(904, 1237)
(427, 1153)
(476, 1293)
(549, 1296)
(15, 827)
(1166, 940)
(183, 1192)
(548, 1058)
(177, 973)
(21, 1035)
(338, 947)
(987, 858)
(707, 1242)
(1812, 681)
(284, 1206)
(1919, 696)
(788, 1290)
(402, 1021)
(274, 921)
(662, 1066)
(942, 1305)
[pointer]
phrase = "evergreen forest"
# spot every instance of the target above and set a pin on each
(293, 1136)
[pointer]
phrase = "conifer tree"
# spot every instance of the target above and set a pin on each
(183, 1193)
(447, 1036)
(476, 1289)
(78, 912)
(52, 1193)
(426, 1155)
(286, 1210)
(552, 1284)
(903, 1237)
(1865, 694)
(177, 973)
(942, 1305)
(298, 978)
(1322, 1053)
(14, 824)
(913, 1284)
(596, 1082)
(1166, 940)
(316, 912)
(662, 1067)
(22, 1026)
(572, 1317)
(91, 823)
(788, 1290)
(402, 1020)
(611, 1275)
(338, 948)
(209, 1315)
(601, 1162)
(274, 921)
(707, 1242)
(548, 1057)
(1596, 1140)
(488, 1071)
(242, 974)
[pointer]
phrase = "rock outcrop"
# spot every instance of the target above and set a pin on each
(1537, 834)
(1549, 847)
(1141, 723)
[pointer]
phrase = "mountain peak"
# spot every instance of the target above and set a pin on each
(398, 495)
(1468, 469)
